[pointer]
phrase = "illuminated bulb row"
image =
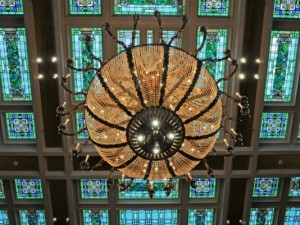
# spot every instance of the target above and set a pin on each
(40, 60)
(243, 60)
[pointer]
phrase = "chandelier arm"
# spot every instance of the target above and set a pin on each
(99, 164)
(227, 53)
(107, 27)
(226, 131)
(111, 125)
(190, 157)
(170, 169)
(88, 40)
(165, 74)
(112, 96)
(191, 87)
(70, 65)
(219, 154)
(63, 84)
(60, 111)
(211, 105)
(210, 171)
(228, 96)
(235, 65)
(136, 17)
(158, 18)
(232, 118)
(148, 170)
(203, 30)
(109, 146)
(185, 20)
(127, 163)
(62, 130)
(202, 136)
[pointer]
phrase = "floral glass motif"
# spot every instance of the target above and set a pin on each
(11, 7)
(93, 188)
(215, 44)
(32, 217)
(95, 217)
(294, 190)
(126, 37)
(83, 59)
(201, 217)
(80, 123)
(213, 7)
(206, 188)
(138, 190)
(2, 194)
(14, 70)
(20, 125)
(28, 188)
(147, 7)
(85, 7)
(157, 217)
(265, 187)
(3, 217)
(261, 216)
(274, 125)
(287, 9)
(292, 216)
(281, 66)
(168, 34)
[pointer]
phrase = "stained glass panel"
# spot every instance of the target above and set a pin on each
(286, 9)
(3, 217)
(294, 190)
(150, 37)
(95, 217)
(80, 124)
(2, 194)
(261, 216)
(201, 216)
(93, 188)
(299, 132)
(28, 189)
(20, 125)
(85, 7)
(206, 188)
(126, 37)
(14, 70)
(138, 190)
(157, 217)
(215, 44)
(274, 125)
(11, 7)
(265, 187)
(147, 7)
(292, 216)
(83, 59)
(168, 34)
(281, 66)
(32, 217)
(213, 7)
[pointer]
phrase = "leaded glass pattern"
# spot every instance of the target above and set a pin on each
(3, 217)
(294, 190)
(168, 34)
(83, 59)
(28, 189)
(93, 188)
(138, 190)
(205, 188)
(126, 37)
(147, 7)
(214, 47)
(292, 216)
(20, 125)
(2, 194)
(95, 217)
(201, 216)
(80, 124)
(11, 7)
(286, 9)
(14, 70)
(281, 66)
(265, 187)
(85, 7)
(157, 217)
(32, 217)
(261, 216)
(213, 8)
(150, 37)
(274, 125)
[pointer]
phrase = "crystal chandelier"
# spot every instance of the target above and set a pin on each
(153, 111)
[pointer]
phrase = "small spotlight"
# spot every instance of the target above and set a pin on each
(242, 76)
(256, 76)
(54, 219)
(140, 138)
(171, 136)
(40, 76)
(155, 123)
(258, 60)
(54, 59)
(67, 219)
(39, 60)
(243, 60)
(55, 76)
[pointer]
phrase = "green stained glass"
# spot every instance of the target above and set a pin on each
(2, 194)
(299, 132)
(80, 124)
(126, 37)
(261, 216)
(95, 217)
(281, 66)
(138, 190)
(201, 216)
(147, 7)
(85, 7)
(215, 44)
(294, 190)
(15, 78)
(274, 125)
(157, 217)
(287, 9)
(28, 189)
(3, 217)
(32, 217)
(11, 7)
(93, 188)
(213, 8)
(83, 59)
(168, 34)
(150, 37)
(292, 216)
(20, 125)
(205, 188)
(265, 187)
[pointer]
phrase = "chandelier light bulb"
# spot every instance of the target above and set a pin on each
(54, 59)
(171, 136)
(155, 123)
(140, 138)
(243, 60)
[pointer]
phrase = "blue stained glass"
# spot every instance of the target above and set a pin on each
(80, 124)
(274, 125)
(213, 8)
(206, 188)
(93, 188)
(32, 217)
(2, 194)
(95, 217)
(261, 216)
(201, 217)
(3, 217)
(265, 187)
(126, 37)
(28, 188)
(286, 9)
(294, 190)
(292, 216)
(11, 7)
(85, 7)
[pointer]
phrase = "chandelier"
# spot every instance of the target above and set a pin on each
(153, 111)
